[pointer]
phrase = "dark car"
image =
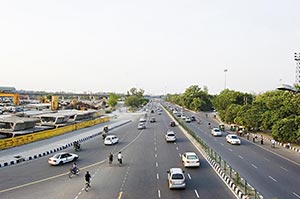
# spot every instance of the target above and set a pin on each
(193, 118)
(152, 119)
(172, 124)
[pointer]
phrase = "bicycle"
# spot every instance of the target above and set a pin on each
(87, 186)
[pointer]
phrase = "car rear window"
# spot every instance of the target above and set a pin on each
(171, 134)
(234, 137)
(192, 157)
(177, 176)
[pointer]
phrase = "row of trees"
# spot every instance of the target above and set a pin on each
(274, 111)
(194, 98)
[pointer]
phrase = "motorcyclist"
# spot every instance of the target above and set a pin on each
(120, 157)
(74, 168)
(105, 131)
(273, 143)
(110, 158)
(76, 145)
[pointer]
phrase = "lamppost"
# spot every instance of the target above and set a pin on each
(297, 59)
(225, 71)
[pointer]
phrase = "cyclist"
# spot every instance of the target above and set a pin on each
(120, 157)
(110, 158)
(88, 178)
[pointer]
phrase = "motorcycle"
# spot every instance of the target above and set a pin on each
(73, 172)
(76, 146)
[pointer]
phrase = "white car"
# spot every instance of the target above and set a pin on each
(141, 126)
(216, 132)
(170, 136)
(111, 139)
(190, 159)
(62, 158)
(188, 120)
(233, 139)
(176, 178)
(142, 119)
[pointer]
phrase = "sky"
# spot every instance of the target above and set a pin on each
(160, 46)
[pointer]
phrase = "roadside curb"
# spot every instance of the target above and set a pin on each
(65, 146)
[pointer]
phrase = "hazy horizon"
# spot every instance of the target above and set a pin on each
(159, 46)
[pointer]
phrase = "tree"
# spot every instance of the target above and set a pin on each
(113, 99)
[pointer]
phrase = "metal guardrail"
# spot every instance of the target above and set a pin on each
(241, 183)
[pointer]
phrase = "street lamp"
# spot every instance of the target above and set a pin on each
(225, 71)
(297, 59)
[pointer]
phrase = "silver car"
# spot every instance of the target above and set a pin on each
(176, 178)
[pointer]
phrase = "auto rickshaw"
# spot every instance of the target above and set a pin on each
(241, 131)
(222, 127)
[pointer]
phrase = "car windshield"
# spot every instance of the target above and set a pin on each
(57, 155)
(177, 176)
(216, 130)
(234, 137)
(171, 134)
(192, 157)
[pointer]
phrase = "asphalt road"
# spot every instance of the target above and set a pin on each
(273, 175)
(147, 157)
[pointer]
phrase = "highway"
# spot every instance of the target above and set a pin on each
(147, 157)
(272, 174)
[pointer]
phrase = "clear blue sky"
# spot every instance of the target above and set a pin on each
(159, 46)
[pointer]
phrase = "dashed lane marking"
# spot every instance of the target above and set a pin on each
(159, 193)
(222, 144)
(156, 164)
(267, 159)
(157, 176)
(179, 155)
(230, 149)
(254, 166)
(177, 148)
(196, 192)
(273, 179)
(284, 169)
(189, 176)
(241, 157)
(155, 155)
(296, 195)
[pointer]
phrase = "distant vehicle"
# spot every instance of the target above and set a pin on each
(190, 159)
(188, 120)
(141, 126)
(142, 119)
(233, 139)
(176, 178)
(170, 136)
(216, 132)
(152, 119)
(159, 113)
(193, 118)
(152, 111)
(172, 124)
(111, 139)
(183, 116)
(62, 158)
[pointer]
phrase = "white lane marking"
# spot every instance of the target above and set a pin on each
(155, 149)
(272, 178)
(157, 176)
(189, 176)
(284, 169)
(177, 148)
(254, 166)
(216, 140)
(196, 192)
(179, 155)
(267, 159)
(158, 193)
(230, 149)
(156, 164)
(222, 144)
(155, 155)
(241, 157)
(154, 143)
(296, 195)
(174, 142)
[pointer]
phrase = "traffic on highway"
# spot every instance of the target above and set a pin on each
(152, 167)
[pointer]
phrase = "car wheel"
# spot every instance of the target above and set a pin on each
(75, 158)
(60, 163)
